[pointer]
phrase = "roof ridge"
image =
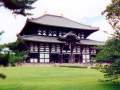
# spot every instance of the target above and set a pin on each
(46, 15)
(79, 23)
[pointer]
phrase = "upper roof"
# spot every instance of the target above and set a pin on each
(60, 21)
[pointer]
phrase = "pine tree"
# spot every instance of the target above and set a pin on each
(18, 6)
(111, 50)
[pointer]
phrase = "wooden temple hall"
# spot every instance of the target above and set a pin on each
(56, 39)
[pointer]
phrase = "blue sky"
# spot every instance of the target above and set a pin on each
(82, 11)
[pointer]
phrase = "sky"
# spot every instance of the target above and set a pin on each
(83, 11)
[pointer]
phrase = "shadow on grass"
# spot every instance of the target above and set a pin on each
(2, 76)
(110, 85)
(74, 66)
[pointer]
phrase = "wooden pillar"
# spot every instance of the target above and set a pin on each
(38, 52)
(30, 44)
(90, 54)
(71, 54)
(61, 53)
(49, 52)
(28, 59)
(81, 50)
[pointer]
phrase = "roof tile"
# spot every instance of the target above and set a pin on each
(60, 21)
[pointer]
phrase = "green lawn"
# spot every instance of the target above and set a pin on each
(53, 78)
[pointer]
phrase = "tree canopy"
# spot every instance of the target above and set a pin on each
(111, 49)
(18, 46)
(18, 6)
(112, 13)
(110, 52)
(71, 39)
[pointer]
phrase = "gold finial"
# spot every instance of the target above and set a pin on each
(61, 14)
(45, 12)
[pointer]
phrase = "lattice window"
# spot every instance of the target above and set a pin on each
(82, 36)
(33, 60)
(44, 57)
(50, 33)
(78, 48)
(63, 33)
(93, 51)
(40, 32)
(58, 48)
(86, 58)
(83, 51)
(42, 48)
(44, 33)
(87, 50)
(60, 33)
(54, 33)
(47, 48)
(53, 49)
(74, 49)
(33, 48)
(79, 35)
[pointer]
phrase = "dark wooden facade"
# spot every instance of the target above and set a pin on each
(44, 46)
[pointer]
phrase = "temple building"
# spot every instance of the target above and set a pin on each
(56, 39)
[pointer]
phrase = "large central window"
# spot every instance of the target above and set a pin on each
(34, 48)
(86, 55)
(44, 57)
(44, 53)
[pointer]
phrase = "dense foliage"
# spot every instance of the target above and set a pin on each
(18, 6)
(71, 39)
(13, 53)
(112, 12)
(19, 51)
(16, 57)
(18, 46)
(110, 53)
(4, 59)
(111, 50)
(112, 72)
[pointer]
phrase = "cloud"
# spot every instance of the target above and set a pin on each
(78, 8)
(103, 25)
(10, 24)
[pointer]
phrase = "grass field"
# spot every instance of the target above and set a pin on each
(53, 78)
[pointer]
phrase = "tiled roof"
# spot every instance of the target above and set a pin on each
(55, 40)
(40, 39)
(91, 42)
(60, 21)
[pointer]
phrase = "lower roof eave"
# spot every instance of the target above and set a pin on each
(43, 39)
(59, 42)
